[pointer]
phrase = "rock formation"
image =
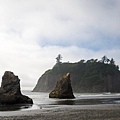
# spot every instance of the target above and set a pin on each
(63, 88)
(86, 77)
(10, 92)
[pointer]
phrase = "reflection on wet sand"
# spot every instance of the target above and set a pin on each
(14, 107)
(86, 101)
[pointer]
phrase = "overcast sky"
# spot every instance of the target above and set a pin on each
(34, 32)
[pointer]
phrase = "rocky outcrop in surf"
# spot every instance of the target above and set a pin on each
(10, 92)
(63, 88)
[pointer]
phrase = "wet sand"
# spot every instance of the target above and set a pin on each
(78, 112)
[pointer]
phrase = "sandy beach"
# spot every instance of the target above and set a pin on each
(92, 112)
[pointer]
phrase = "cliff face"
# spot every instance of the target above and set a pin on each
(85, 77)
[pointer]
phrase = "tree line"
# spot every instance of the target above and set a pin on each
(104, 60)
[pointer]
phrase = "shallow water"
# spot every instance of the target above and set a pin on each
(41, 100)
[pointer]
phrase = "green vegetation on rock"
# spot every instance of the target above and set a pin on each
(86, 76)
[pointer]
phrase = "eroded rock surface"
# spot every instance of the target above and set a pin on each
(10, 92)
(63, 88)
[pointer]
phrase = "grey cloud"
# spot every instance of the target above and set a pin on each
(34, 32)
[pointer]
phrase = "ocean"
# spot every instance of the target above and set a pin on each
(41, 100)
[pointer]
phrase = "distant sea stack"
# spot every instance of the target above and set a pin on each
(10, 92)
(86, 76)
(63, 88)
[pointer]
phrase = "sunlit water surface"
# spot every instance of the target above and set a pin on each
(41, 100)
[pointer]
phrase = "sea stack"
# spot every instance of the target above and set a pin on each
(63, 88)
(10, 92)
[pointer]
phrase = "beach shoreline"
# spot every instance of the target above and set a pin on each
(78, 112)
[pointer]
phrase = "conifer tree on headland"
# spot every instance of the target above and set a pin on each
(59, 58)
(112, 62)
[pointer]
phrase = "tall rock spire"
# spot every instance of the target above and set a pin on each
(10, 92)
(63, 88)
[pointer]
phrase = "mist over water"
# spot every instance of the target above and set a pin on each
(42, 101)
